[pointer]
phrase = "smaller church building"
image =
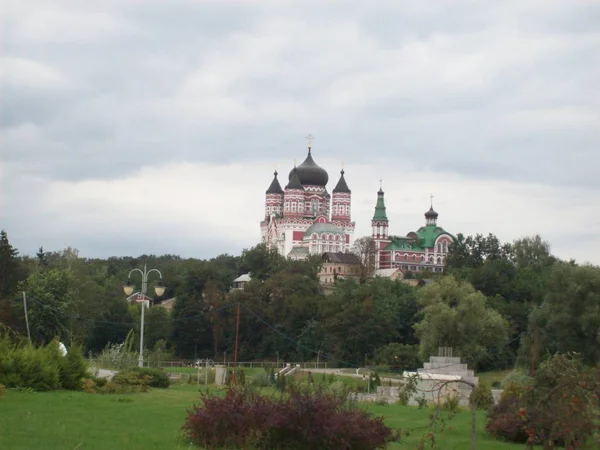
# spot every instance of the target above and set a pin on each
(424, 249)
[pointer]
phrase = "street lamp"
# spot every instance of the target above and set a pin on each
(159, 289)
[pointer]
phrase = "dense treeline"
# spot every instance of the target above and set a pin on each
(497, 305)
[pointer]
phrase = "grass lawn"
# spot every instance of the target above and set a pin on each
(76, 420)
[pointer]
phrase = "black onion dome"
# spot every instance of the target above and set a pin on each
(294, 181)
(342, 186)
(309, 173)
(275, 187)
(431, 214)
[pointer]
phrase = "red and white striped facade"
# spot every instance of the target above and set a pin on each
(307, 221)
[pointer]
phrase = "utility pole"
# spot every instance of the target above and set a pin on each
(26, 317)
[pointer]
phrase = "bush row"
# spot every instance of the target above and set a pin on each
(245, 419)
(40, 369)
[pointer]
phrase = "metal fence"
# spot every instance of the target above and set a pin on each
(250, 364)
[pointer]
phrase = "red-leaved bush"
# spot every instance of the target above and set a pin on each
(303, 420)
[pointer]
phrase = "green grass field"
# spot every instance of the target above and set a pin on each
(76, 420)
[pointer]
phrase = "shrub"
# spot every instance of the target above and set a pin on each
(301, 420)
(73, 369)
(559, 408)
(482, 396)
(117, 357)
(261, 380)
(138, 376)
(2, 390)
(39, 369)
(451, 403)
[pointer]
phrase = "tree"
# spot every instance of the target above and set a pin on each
(532, 252)
(42, 258)
(569, 318)
(261, 262)
(52, 306)
(10, 273)
(366, 250)
(9, 267)
(456, 315)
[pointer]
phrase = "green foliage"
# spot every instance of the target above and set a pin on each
(118, 356)
(139, 376)
(482, 396)
(40, 369)
(53, 302)
(451, 403)
(568, 320)
(73, 369)
(559, 407)
(399, 357)
(455, 315)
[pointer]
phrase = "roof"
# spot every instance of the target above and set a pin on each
(401, 243)
(431, 213)
(340, 258)
(298, 252)
(309, 173)
(294, 181)
(275, 187)
(428, 235)
(341, 185)
(245, 277)
(321, 228)
(380, 207)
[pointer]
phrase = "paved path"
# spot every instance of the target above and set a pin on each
(356, 373)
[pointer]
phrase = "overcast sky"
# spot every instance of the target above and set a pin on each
(132, 127)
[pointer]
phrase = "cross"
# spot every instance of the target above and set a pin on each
(431, 199)
(380, 184)
(294, 162)
(310, 139)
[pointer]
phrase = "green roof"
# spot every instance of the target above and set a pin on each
(426, 239)
(380, 207)
(320, 228)
(428, 234)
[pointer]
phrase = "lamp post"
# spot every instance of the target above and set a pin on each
(159, 289)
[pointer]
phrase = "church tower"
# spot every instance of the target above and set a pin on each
(380, 222)
(274, 198)
(341, 201)
(379, 232)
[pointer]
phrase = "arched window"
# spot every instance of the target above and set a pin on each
(414, 258)
(335, 209)
(422, 258)
(431, 259)
(445, 247)
(405, 257)
(439, 248)
(439, 260)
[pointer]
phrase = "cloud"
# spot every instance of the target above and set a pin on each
(194, 209)
(496, 96)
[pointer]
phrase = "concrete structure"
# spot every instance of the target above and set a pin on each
(220, 374)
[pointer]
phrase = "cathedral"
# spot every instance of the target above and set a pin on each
(303, 218)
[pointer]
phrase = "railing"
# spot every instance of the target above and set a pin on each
(249, 364)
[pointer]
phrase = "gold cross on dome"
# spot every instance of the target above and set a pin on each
(309, 140)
